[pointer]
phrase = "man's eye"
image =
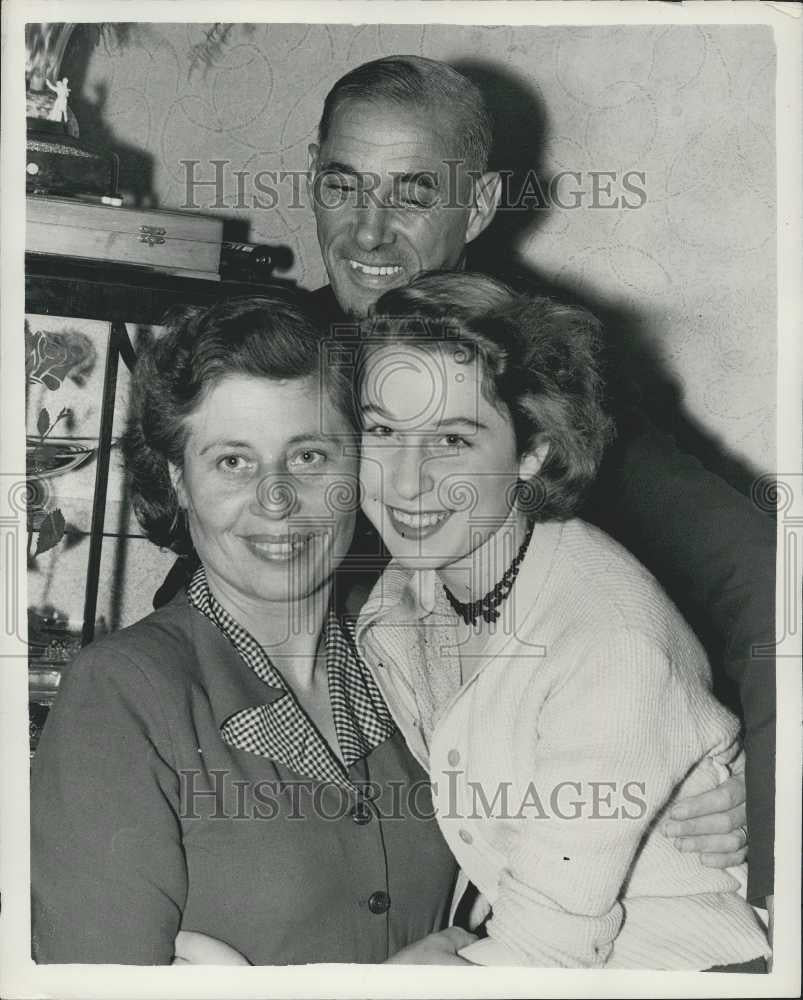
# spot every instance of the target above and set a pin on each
(338, 183)
(414, 202)
(417, 196)
(307, 459)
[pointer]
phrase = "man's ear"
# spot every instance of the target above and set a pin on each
(487, 192)
(177, 481)
(313, 152)
(531, 461)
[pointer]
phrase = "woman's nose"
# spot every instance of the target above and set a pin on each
(372, 227)
(409, 475)
(276, 497)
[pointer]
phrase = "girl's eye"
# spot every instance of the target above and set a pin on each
(378, 430)
(454, 441)
(234, 463)
(306, 459)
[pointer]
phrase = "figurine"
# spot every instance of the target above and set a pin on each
(58, 112)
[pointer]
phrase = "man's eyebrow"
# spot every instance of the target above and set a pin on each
(336, 167)
(426, 178)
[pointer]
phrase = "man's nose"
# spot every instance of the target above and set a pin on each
(373, 226)
(276, 498)
(410, 476)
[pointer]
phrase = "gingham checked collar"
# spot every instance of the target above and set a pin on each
(280, 729)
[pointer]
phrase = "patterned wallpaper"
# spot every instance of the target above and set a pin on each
(686, 280)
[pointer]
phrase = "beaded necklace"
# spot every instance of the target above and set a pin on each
(486, 607)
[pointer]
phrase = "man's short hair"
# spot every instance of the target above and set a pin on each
(415, 81)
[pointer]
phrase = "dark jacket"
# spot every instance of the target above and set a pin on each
(144, 821)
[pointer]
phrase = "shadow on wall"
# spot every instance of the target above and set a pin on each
(136, 165)
(521, 130)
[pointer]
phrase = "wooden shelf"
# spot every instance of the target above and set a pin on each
(82, 289)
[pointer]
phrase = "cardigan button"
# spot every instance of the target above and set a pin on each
(465, 836)
(379, 902)
(453, 757)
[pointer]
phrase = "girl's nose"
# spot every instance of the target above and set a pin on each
(409, 476)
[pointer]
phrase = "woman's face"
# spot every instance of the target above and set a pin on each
(270, 487)
(439, 460)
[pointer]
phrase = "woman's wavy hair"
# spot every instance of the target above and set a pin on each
(541, 362)
(276, 336)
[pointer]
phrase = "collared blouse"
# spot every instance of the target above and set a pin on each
(179, 785)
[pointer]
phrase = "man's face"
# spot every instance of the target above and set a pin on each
(387, 204)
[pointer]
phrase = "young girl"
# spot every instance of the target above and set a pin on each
(556, 695)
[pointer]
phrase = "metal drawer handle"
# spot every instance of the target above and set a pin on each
(152, 235)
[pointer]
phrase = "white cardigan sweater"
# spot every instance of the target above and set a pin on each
(590, 714)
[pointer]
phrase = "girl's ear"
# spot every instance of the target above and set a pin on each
(177, 480)
(531, 461)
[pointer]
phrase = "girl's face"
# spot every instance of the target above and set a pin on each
(439, 460)
(264, 487)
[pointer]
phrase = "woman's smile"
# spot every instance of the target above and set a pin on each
(282, 548)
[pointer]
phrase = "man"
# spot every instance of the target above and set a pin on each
(399, 182)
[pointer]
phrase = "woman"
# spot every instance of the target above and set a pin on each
(556, 695)
(227, 764)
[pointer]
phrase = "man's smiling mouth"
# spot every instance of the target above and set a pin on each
(375, 271)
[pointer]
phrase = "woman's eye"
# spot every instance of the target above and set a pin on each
(234, 463)
(454, 441)
(308, 458)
